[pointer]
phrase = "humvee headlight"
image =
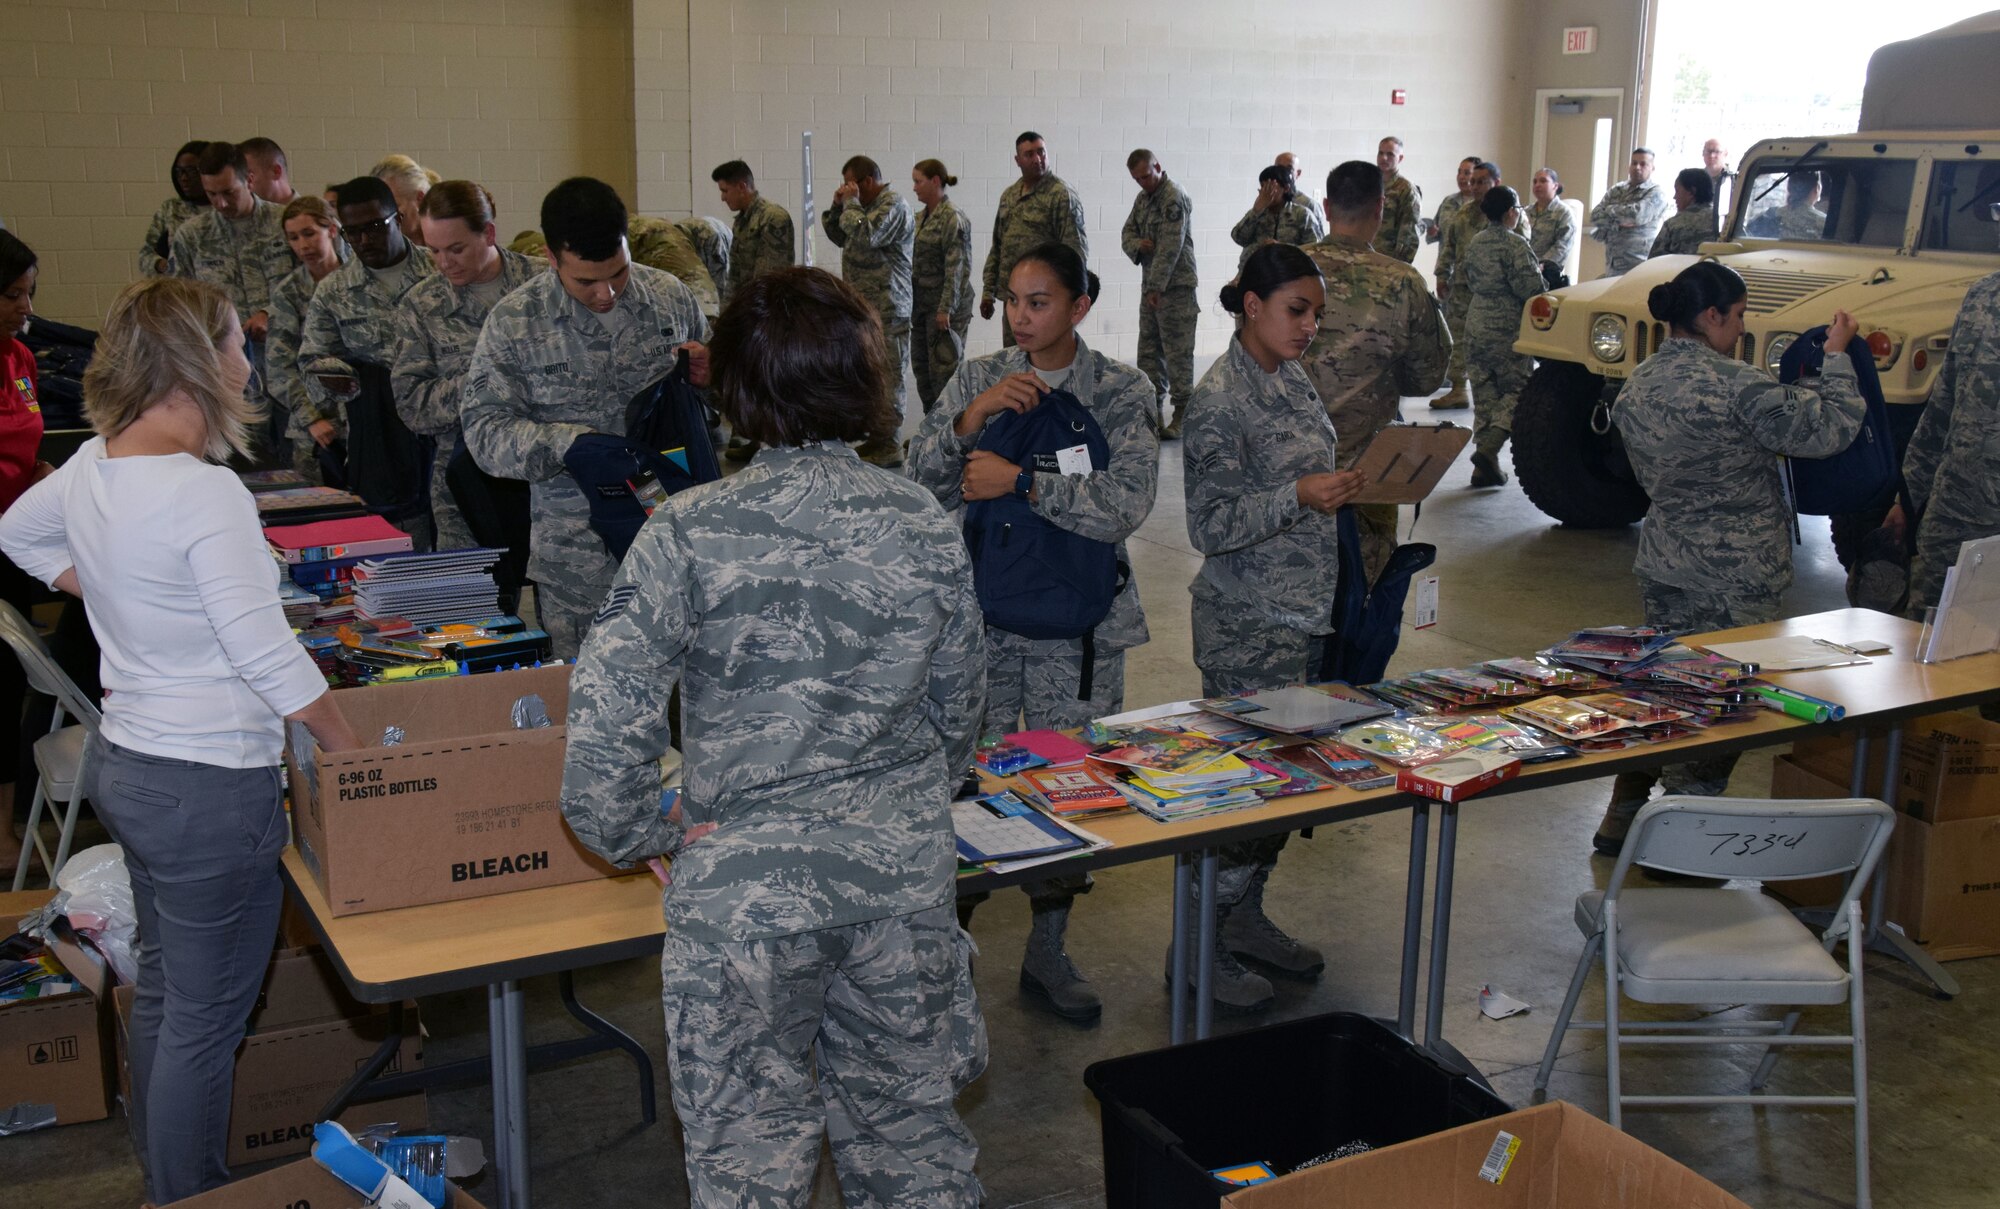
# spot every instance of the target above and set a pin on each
(1774, 352)
(1607, 337)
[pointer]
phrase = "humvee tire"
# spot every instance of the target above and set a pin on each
(1570, 472)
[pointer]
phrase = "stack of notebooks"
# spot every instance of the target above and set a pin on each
(296, 505)
(320, 556)
(1001, 832)
(427, 589)
(1169, 775)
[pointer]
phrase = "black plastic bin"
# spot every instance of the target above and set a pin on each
(1282, 1094)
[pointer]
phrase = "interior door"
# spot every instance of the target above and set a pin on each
(1577, 143)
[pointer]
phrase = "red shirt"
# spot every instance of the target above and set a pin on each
(20, 421)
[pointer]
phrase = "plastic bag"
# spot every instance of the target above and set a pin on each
(98, 901)
(97, 898)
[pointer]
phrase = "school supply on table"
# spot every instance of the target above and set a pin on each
(1789, 653)
(1401, 743)
(1544, 672)
(1966, 620)
(1795, 704)
(1073, 792)
(1459, 775)
(1349, 768)
(271, 480)
(1565, 718)
(298, 505)
(1001, 827)
(1491, 731)
(449, 585)
(1297, 709)
(1006, 759)
(1054, 746)
(1615, 645)
(351, 537)
(1404, 463)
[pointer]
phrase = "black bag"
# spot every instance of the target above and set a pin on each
(1553, 276)
(496, 511)
(388, 466)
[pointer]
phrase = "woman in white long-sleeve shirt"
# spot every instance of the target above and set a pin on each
(201, 672)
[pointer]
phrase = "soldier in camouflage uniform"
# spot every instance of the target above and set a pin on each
(560, 357)
(1159, 238)
(1693, 223)
(1382, 337)
(1466, 223)
(1044, 683)
(1704, 432)
(1551, 227)
(314, 236)
(1262, 490)
(763, 242)
(1447, 213)
(1402, 230)
(1500, 274)
(188, 200)
(238, 244)
(1277, 216)
(820, 616)
(1800, 217)
(940, 282)
(352, 316)
(1037, 209)
(665, 246)
(872, 226)
(437, 325)
(711, 238)
(1628, 217)
(1953, 463)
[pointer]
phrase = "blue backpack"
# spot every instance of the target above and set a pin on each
(1035, 578)
(1866, 475)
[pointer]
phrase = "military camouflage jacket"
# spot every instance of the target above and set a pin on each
(1295, 223)
(1803, 221)
(282, 380)
(353, 318)
(1704, 432)
(763, 242)
(874, 243)
(1685, 232)
(1645, 207)
(1952, 458)
(546, 370)
(1402, 219)
(1106, 505)
(247, 259)
(1552, 231)
(1447, 210)
(1500, 274)
(941, 264)
(437, 325)
(1166, 217)
(1052, 213)
(711, 238)
(1382, 337)
(1251, 436)
(1466, 224)
(158, 244)
(820, 616)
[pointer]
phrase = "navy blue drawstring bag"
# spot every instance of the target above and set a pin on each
(1866, 475)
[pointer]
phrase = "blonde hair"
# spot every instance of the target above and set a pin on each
(312, 206)
(404, 172)
(935, 169)
(164, 335)
(466, 201)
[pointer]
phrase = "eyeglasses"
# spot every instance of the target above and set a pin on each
(362, 230)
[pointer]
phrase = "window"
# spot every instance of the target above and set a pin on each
(1848, 201)
(1959, 215)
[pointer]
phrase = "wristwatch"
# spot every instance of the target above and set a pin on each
(1024, 483)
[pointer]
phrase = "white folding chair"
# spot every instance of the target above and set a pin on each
(60, 755)
(1713, 946)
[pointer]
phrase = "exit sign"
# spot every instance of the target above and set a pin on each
(1580, 40)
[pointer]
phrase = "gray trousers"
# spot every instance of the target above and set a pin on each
(1237, 653)
(864, 1034)
(201, 847)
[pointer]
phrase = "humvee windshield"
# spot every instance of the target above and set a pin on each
(1958, 215)
(1846, 201)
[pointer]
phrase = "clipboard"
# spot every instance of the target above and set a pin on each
(1404, 462)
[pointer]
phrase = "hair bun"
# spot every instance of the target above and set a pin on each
(951, 182)
(1664, 301)
(1232, 298)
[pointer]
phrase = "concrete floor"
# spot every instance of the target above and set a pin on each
(1511, 581)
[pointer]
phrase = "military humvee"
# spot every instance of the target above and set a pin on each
(1893, 224)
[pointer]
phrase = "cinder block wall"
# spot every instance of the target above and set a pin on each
(94, 98)
(651, 94)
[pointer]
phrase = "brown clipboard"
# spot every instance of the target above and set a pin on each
(1404, 462)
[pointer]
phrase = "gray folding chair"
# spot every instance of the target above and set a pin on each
(60, 755)
(1710, 946)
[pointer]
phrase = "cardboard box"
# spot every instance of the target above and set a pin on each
(465, 806)
(1950, 767)
(52, 1051)
(1943, 879)
(1561, 1158)
(285, 1076)
(1459, 775)
(304, 1183)
(301, 987)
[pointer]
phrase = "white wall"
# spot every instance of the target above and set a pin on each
(1215, 90)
